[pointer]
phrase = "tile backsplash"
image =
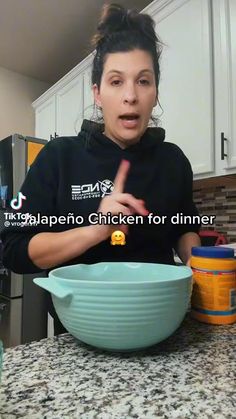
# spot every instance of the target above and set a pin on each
(217, 196)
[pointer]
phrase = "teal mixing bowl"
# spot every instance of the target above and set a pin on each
(120, 305)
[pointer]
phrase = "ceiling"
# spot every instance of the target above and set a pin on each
(44, 39)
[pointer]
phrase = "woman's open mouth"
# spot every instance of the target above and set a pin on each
(129, 120)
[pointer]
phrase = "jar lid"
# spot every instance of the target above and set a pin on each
(213, 252)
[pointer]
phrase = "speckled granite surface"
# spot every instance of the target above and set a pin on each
(190, 375)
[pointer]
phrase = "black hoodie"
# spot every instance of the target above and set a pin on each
(72, 174)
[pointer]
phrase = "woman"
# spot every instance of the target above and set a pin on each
(120, 166)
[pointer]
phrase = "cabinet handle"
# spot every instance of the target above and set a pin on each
(55, 136)
(223, 139)
(2, 306)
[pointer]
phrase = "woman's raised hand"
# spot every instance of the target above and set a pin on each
(120, 202)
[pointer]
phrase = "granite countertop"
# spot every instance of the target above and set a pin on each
(190, 375)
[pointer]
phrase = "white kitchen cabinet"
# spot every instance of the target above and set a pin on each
(45, 118)
(60, 111)
(69, 105)
(186, 83)
(224, 15)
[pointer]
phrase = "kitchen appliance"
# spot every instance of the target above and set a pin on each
(120, 305)
(23, 313)
(1, 359)
(212, 238)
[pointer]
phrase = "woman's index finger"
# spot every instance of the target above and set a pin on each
(121, 176)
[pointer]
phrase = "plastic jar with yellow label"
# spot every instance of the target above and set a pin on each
(214, 286)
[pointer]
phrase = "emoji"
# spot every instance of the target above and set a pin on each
(118, 237)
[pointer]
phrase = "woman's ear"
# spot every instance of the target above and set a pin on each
(96, 95)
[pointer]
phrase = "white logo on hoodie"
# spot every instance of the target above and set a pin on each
(90, 190)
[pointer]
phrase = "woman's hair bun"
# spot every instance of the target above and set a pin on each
(115, 18)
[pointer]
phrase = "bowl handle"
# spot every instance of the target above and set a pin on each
(53, 287)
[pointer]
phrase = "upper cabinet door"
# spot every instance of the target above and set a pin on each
(70, 107)
(186, 84)
(45, 119)
(225, 88)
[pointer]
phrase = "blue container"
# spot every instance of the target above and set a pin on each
(120, 305)
(213, 252)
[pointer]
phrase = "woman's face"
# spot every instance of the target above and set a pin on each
(127, 95)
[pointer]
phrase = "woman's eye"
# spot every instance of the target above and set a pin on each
(115, 82)
(144, 81)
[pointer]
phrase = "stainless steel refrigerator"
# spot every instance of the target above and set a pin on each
(23, 311)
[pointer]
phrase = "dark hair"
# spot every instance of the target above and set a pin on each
(122, 30)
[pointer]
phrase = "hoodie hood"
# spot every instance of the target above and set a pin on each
(92, 132)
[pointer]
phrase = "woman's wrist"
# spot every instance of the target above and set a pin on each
(99, 233)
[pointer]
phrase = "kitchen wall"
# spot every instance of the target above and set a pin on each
(217, 196)
(17, 92)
